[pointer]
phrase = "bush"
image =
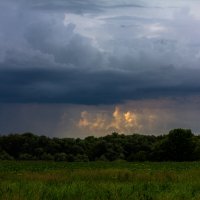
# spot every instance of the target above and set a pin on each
(138, 156)
(81, 158)
(60, 157)
(5, 156)
(26, 156)
(46, 156)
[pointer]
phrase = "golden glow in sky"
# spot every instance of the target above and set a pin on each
(121, 121)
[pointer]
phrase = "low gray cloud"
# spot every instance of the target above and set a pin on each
(79, 86)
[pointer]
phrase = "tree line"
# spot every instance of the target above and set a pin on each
(177, 145)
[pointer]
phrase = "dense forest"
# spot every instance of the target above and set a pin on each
(178, 145)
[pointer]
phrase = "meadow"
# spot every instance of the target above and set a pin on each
(35, 180)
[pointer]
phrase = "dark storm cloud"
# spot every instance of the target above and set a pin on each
(88, 58)
(78, 86)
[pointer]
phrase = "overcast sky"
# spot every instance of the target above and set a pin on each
(71, 68)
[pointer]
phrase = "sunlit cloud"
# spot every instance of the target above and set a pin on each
(92, 121)
(84, 121)
(119, 121)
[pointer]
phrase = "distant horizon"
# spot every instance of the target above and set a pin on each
(103, 135)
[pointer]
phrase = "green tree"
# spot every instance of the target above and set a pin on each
(179, 145)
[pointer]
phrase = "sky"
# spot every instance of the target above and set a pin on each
(72, 68)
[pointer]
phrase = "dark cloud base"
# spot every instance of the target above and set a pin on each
(77, 86)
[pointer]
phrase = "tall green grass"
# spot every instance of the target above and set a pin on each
(99, 181)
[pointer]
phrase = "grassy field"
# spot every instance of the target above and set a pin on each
(99, 180)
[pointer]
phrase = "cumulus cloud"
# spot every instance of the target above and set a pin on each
(146, 117)
(101, 122)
